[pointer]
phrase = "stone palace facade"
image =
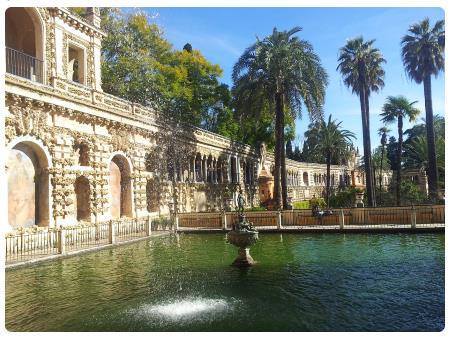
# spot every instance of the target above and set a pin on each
(76, 154)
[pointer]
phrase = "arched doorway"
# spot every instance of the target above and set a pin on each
(24, 43)
(28, 186)
(83, 195)
(120, 187)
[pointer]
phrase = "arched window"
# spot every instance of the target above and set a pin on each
(83, 196)
(120, 187)
(233, 170)
(28, 186)
(209, 167)
(198, 167)
(305, 178)
(24, 43)
(220, 170)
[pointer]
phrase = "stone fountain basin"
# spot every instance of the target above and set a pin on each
(242, 239)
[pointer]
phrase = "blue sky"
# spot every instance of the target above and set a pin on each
(222, 34)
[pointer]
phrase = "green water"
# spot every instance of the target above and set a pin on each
(320, 282)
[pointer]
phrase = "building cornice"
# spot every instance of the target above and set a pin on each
(76, 22)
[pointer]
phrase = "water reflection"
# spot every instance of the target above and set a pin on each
(301, 282)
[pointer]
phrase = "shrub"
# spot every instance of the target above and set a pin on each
(317, 202)
(344, 199)
(301, 205)
(260, 208)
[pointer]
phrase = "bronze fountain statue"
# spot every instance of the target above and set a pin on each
(243, 235)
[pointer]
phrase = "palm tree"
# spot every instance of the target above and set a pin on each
(361, 67)
(383, 131)
(418, 153)
(334, 142)
(398, 108)
(423, 56)
(280, 73)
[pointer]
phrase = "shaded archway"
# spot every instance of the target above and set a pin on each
(233, 163)
(83, 196)
(28, 185)
(198, 168)
(24, 43)
(305, 178)
(120, 187)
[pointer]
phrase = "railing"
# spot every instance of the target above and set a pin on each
(131, 228)
(24, 65)
(26, 245)
(416, 216)
(82, 237)
(34, 243)
(200, 220)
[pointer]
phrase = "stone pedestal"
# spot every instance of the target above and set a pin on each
(243, 239)
(244, 259)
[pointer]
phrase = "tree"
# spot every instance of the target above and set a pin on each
(361, 66)
(423, 56)
(312, 140)
(391, 152)
(396, 109)
(383, 133)
(297, 154)
(289, 151)
(280, 74)
(416, 148)
(140, 65)
(333, 142)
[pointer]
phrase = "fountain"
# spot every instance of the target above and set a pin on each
(242, 235)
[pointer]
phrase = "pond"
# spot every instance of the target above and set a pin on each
(302, 282)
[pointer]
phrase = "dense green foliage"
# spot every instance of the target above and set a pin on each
(276, 77)
(416, 148)
(333, 142)
(344, 198)
(140, 65)
(318, 142)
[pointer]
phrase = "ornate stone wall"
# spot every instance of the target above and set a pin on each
(130, 161)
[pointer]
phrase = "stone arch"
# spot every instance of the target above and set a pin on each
(121, 203)
(305, 178)
(24, 33)
(28, 183)
(209, 169)
(83, 198)
(198, 167)
(233, 169)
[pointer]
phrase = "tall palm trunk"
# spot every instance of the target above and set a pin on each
(381, 169)
(399, 157)
(284, 194)
(328, 178)
(366, 139)
(432, 163)
(370, 186)
(278, 145)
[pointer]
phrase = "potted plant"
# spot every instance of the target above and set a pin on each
(359, 196)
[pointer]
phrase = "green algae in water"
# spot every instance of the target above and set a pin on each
(320, 282)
